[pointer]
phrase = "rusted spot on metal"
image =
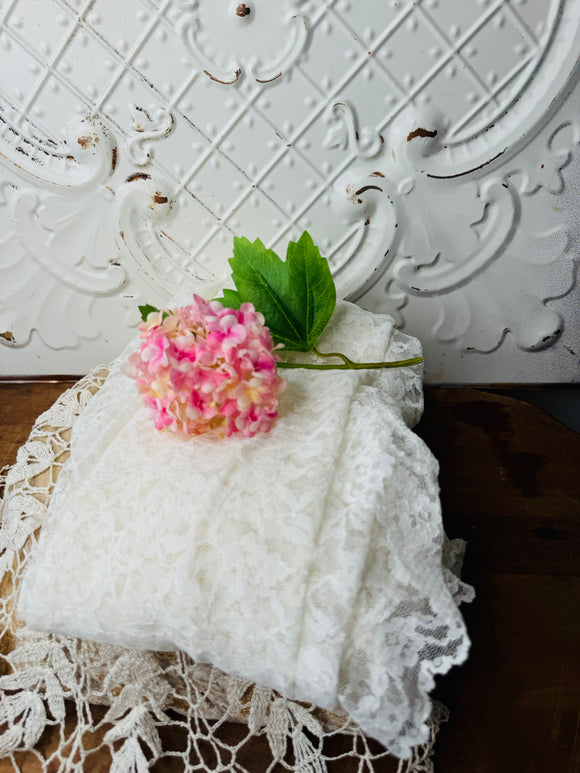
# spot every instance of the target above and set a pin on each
(122, 234)
(377, 174)
(21, 150)
(137, 176)
(420, 132)
(70, 158)
(171, 239)
(113, 159)
(304, 22)
(467, 171)
(243, 10)
(570, 349)
(143, 78)
(226, 83)
(146, 114)
(269, 80)
(553, 335)
(368, 221)
(158, 198)
(114, 263)
(85, 142)
(367, 188)
(8, 335)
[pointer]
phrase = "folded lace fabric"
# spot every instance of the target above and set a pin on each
(307, 560)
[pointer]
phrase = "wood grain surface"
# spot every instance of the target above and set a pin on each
(510, 486)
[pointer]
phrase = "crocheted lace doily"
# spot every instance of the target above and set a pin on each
(66, 700)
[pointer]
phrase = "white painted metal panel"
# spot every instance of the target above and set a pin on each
(431, 148)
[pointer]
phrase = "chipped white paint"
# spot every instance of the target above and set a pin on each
(85, 155)
(343, 132)
(430, 147)
(230, 39)
(146, 131)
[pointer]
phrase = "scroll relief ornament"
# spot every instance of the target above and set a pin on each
(414, 234)
(86, 156)
(145, 212)
(51, 257)
(147, 130)
(64, 218)
(257, 38)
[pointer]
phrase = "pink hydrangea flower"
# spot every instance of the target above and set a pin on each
(204, 368)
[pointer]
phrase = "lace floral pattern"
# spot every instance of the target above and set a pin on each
(146, 691)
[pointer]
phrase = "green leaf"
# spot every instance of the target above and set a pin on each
(297, 296)
(146, 310)
(231, 299)
(312, 285)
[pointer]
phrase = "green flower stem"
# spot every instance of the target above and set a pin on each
(343, 357)
(350, 365)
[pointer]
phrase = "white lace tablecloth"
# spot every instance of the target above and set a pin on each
(146, 691)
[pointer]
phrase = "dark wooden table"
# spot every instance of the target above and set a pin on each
(510, 486)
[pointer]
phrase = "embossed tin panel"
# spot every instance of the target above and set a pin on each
(431, 148)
